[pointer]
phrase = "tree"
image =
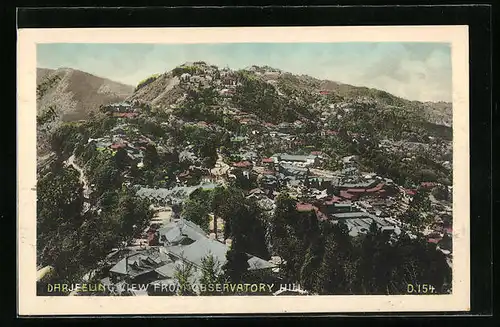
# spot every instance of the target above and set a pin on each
(211, 274)
(183, 275)
(133, 214)
(335, 272)
(278, 227)
(244, 220)
(285, 242)
(151, 159)
(59, 206)
(237, 263)
(197, 211)
(309, 272)
(373, 266)
(415, 260)
(226, 205)
(247, 226)
(417, 214)
(65, 138)
(121, 159)
(105, 175)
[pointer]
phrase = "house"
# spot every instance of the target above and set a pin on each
(267, 161)
(359, 222)
(177, 194)
(226, 92)
(185, 77)
(329, 132)
(269, 125)
(305, 207)
(341, 208)
(409, 192)
(125, 114)
(139, 266)
(182, 232)
(296, 160)
(256, 192)
(268, 181)
(348, 196)
(362, 186)
(196, 251)
(242, 164)
(239, 139)
(121, 107)
(249, 156)
(427, 184)
(116, 146)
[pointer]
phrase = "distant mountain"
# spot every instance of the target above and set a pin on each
(68, 94)
(75, 93)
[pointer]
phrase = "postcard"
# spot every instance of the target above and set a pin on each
(243, 170)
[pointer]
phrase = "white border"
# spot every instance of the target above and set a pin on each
(30, 304)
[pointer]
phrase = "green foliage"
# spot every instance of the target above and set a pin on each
(48, 116)
(417, 216)
(205, 142)
(326, 260)
(72, 241)
(183, 275)
(193, 70)
(236, 265)
(423, 168)
(150, 127)
(45, 85)
(103, 172)
(65, 138)
(211, 274)
(197, 209)
(244, 220)
(243, 182)
(151, 158)
(59, 203)
(146, 81)
(260, 98)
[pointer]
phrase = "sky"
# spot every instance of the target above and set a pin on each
(415, 71)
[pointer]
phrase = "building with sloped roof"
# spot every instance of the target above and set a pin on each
(359, 222)
(137, 266)
(174, 195)
(183, 232)
(196, 251)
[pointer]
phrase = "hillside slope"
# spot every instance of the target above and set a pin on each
(266, 94)
(68, 94)
(76, 93)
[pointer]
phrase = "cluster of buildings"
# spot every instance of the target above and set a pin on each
(123, 109)
(124, 136)
(180, 243)
(348, 194)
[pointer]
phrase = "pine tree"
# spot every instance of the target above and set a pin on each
(183, 275)
(237, 263)
(211, 274)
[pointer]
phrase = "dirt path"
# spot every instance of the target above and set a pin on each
(83, 179)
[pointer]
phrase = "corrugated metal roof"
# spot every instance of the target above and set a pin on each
(203, 247)
(167, 270)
